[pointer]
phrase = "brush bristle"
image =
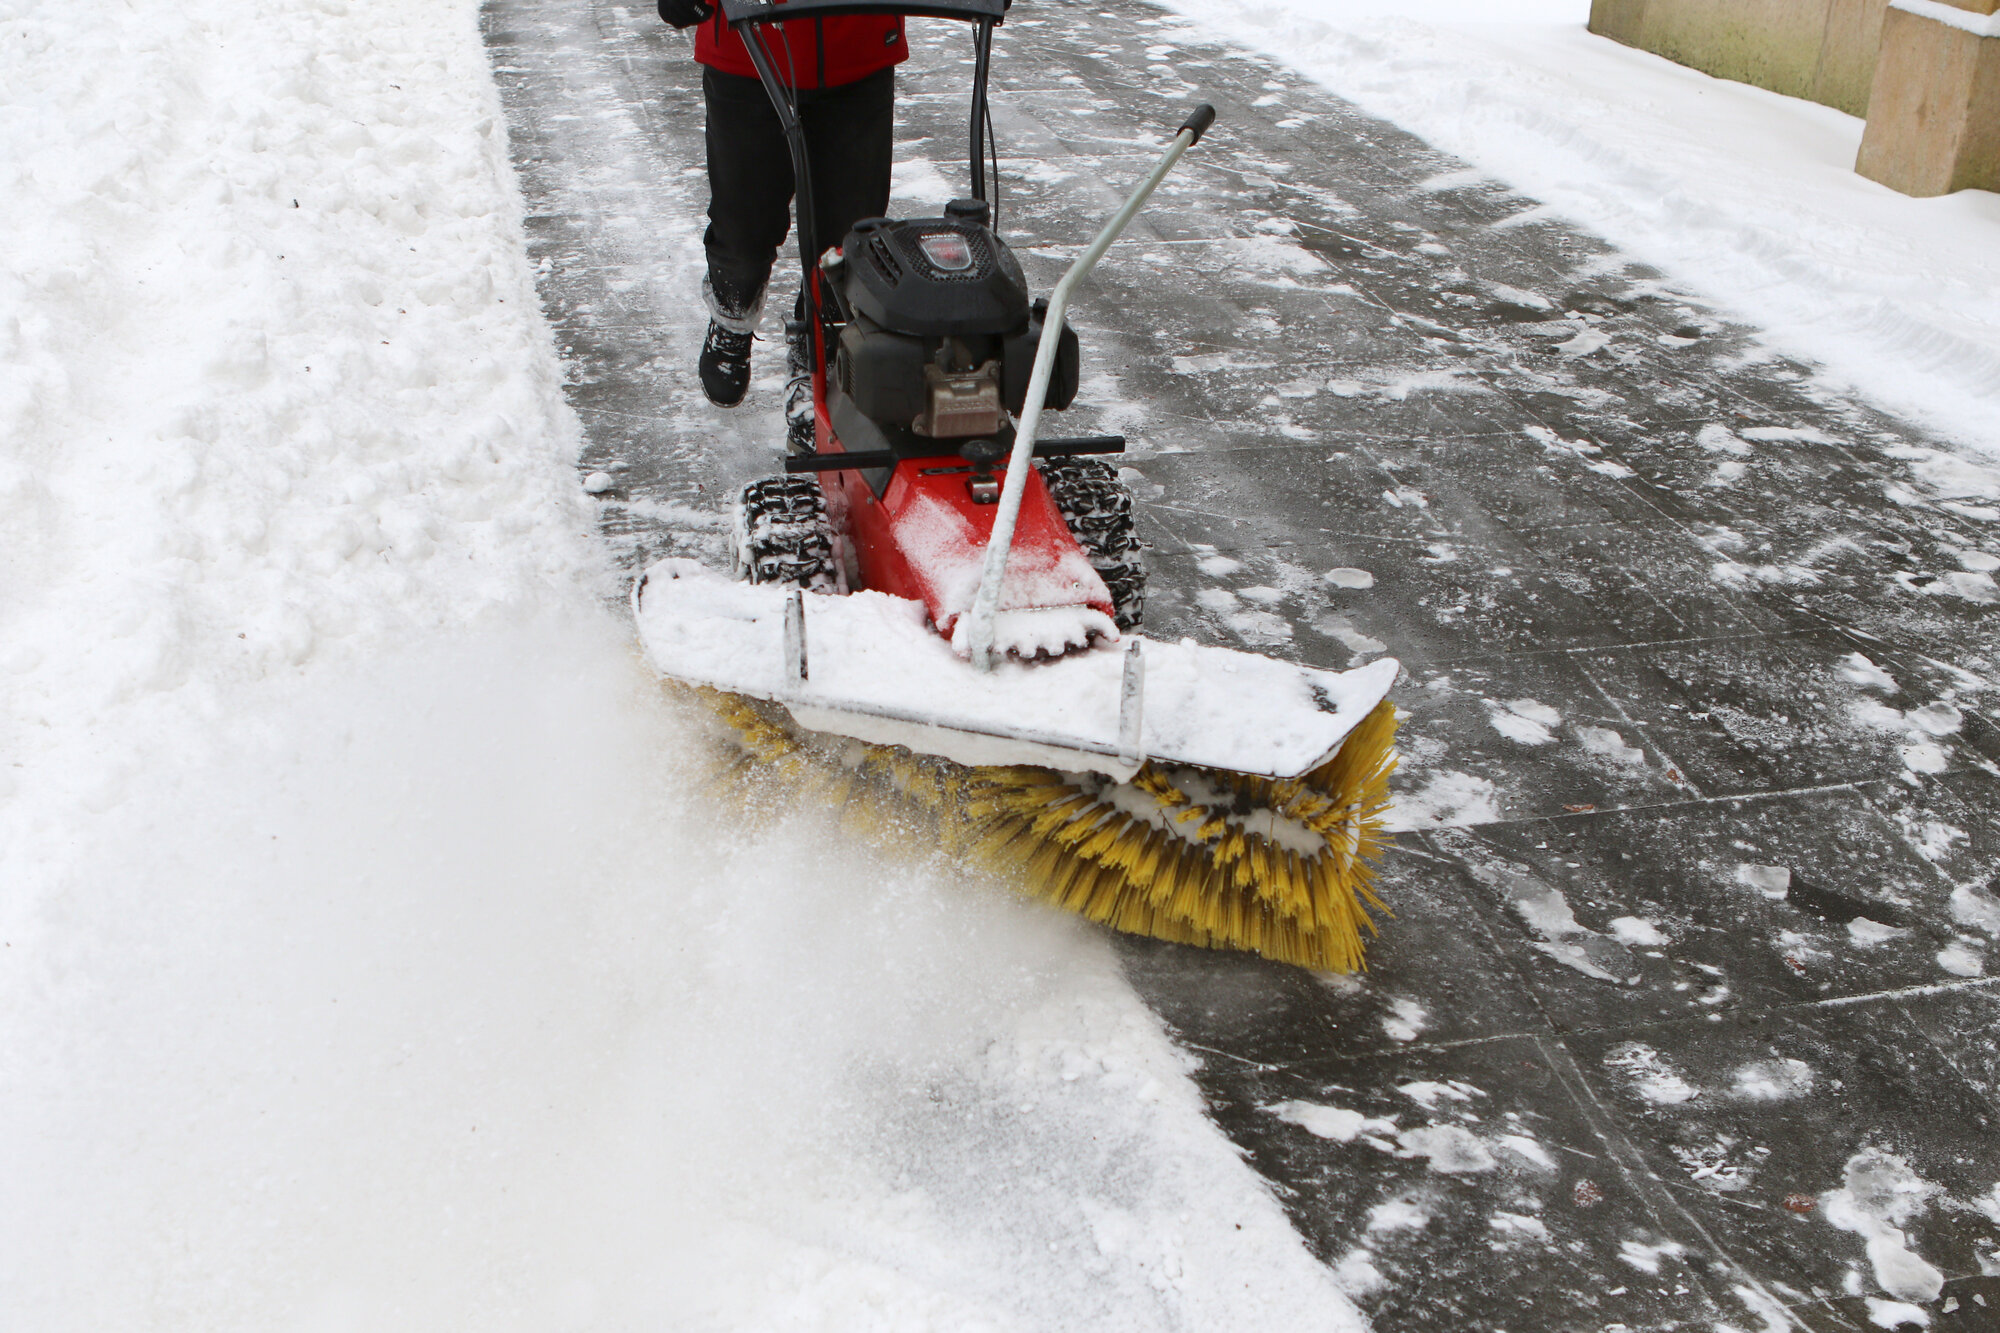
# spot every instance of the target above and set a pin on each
(1193, 873)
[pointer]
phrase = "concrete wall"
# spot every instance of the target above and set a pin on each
(1823, 50)
(1928, 82)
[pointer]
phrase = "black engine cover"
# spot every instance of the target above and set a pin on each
(931, 291)
(892, 280)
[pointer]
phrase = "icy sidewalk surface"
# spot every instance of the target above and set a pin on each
(1747, 196)
(1684, 1009)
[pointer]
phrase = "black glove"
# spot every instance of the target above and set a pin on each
(684, 13)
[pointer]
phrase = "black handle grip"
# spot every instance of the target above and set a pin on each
(1198, 123)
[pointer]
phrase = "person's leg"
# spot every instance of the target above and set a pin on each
(850, 134)
(749, 212)
(850, 142)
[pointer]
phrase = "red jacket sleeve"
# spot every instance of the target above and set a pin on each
(809, 53)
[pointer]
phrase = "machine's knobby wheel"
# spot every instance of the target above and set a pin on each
(782, 535)
(1098, 508)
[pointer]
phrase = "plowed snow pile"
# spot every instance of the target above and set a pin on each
(361, 963)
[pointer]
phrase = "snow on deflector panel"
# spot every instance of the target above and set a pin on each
(876, 671)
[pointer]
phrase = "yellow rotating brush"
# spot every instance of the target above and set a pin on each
(1221, 860)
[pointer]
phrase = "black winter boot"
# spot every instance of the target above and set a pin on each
(725, 365)
(732, 326)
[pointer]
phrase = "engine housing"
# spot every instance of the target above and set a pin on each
(941, 334)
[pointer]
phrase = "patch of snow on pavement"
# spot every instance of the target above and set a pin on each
(1936, 719)
(1256, 627)
(1867, 934)
(1774, 882)
(1523, 720)
(1982, 561)
(1646, 1258)
(1768, 1308)
(1449, 1149)
(1973, 907)
(1924, 757)
(1357, 1274)
(1524, 1146)
(1881, 1194)
(1449, 800)
(1218, 566)
(1773, 1080)
(1331, 1122)
(1637, 931)
(1425, 1092)
(1404, 1021)
(1398, 1215)
(1786, 435)
(1608, 744)
(1583, 341)
(1514, 296)
(1895, 1314)
(1974, 586)
(1547, 913)
(1962, 959)
(1518, 1224)
(1717, 1164)
(1342, 630)
(1650, 1074)
(1721, 440)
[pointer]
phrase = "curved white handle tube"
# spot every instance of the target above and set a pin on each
(986, 604)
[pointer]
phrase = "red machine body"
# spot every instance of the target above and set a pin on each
(925, 536)
(935, 319)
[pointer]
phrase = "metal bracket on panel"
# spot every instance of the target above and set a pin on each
(1131, 705)
(795, 638)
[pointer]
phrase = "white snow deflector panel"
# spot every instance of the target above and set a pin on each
(868, 666)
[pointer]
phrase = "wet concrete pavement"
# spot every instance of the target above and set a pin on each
(1684, 1000)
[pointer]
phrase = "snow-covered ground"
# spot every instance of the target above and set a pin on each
(365, 960)
(1742, 196)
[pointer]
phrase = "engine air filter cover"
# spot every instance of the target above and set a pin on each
(935, 277)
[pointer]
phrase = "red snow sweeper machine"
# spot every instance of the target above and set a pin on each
(938, 598)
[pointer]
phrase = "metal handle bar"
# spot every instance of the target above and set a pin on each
(986, 603)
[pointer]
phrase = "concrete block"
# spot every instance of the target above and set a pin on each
(1846, 74)
(1934, 113)
(1620, 20)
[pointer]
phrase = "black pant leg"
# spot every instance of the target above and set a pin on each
(749, 187)
(850, 144)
